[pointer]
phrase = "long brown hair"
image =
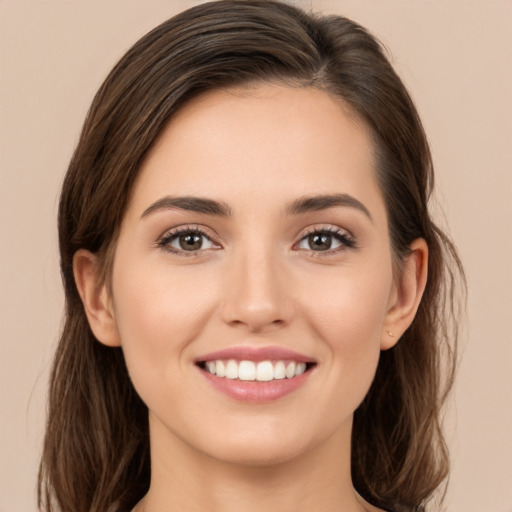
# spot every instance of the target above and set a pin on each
(96, 450)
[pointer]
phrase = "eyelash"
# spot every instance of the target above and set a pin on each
(346, 241)
(170, 236)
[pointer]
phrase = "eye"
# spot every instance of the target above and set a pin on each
(186, 240)
(323, 240)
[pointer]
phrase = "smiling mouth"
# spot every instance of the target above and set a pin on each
(261, 371)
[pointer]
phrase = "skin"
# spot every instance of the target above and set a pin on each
(257, 281)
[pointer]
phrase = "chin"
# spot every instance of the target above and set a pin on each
(259, 453)
(267, 443)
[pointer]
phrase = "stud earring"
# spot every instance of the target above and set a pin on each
(390, 334)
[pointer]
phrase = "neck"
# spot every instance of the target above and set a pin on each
(183, 479)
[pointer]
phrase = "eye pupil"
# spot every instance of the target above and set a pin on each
(320, 241)
(191, 242)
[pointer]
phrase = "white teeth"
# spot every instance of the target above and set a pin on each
(211, 367)
(232, 369)
(290, 370)
(220, 369)
(263, 371)
(247, 370)
(300, 368)
(279, 370)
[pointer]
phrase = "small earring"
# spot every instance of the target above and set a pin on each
(390, 334)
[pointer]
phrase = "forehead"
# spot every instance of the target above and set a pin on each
(271, 142)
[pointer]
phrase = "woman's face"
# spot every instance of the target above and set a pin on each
(255, 243)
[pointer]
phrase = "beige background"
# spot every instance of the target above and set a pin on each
(455, 56)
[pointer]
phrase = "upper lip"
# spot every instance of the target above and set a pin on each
(246, 353)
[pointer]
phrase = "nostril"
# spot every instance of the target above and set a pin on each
(257, 306)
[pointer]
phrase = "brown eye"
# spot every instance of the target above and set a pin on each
(326, 240)
(190, 242)
(320, 241)
(186, 241)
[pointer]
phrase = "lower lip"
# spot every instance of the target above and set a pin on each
(256, 391)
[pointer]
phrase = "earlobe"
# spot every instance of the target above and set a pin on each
(407, 295)
(95, 298)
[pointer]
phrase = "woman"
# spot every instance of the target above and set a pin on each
(256, 295)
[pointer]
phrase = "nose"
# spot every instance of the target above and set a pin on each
(256, 294)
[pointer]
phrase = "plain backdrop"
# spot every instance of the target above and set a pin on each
(455, 57)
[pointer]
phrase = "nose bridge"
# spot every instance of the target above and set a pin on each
(255, 294)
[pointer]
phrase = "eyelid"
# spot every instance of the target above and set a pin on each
(344, 236)
(328, 228)
(170, 234)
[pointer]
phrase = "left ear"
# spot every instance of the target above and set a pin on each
(406, 296)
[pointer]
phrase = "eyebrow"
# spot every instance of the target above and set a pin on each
(220, 209)
(189, 203)
(322, 202)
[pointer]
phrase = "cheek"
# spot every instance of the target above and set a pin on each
(157, 313)
(349, 307)
(348, 315)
